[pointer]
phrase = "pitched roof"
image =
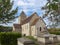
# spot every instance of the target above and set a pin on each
(29, 18)
(34, 22)
(42, 20)
(18, 26)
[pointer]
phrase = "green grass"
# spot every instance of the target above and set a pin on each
(31, 37)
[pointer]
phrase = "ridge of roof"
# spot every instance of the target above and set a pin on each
(34, 22)
(29, 18)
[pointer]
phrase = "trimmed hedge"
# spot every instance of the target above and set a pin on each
(56, 33)
(9, 38)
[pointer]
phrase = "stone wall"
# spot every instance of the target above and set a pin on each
(26, 29)
(58, 37)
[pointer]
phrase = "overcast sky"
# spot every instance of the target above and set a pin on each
(29, 7)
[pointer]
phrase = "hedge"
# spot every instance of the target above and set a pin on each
(54, 31)
(9, 38)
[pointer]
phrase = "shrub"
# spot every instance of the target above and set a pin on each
(54, 31)
(5, 29)
(9, 38)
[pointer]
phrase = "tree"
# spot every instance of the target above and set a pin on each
(5, 29)
(52, 11)
(6, 14)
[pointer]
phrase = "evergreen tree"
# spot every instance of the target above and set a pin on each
(6, 14)
(52, 11)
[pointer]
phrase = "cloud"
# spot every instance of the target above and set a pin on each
(31, 2)
(29, 5)
(22, 3)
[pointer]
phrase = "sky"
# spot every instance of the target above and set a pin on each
(29, 7)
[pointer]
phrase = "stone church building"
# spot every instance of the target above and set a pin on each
(30, 26)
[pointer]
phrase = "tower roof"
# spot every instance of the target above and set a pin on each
(29, 18)
(22, 13)
(35, 13)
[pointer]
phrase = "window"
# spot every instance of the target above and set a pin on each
(24, 35)
(40, 28)
(37, 28)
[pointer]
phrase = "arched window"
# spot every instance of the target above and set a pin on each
(40, 29)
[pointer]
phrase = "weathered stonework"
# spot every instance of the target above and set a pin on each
(36, 27)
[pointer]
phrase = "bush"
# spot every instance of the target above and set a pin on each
(54, 31)
(9, 38)
(5, 29)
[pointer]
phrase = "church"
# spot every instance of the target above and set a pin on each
(33, 25)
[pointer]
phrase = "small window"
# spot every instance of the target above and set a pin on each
(37, 28)
(40, 28)
(24, 35)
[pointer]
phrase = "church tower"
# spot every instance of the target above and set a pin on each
(22, 17)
